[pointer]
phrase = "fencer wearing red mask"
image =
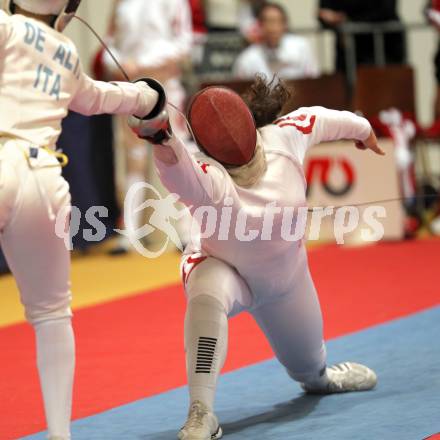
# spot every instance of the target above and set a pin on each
(251, 161)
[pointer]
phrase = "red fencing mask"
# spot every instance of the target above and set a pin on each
(223, 125)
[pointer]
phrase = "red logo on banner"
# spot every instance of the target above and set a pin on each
(320, 168)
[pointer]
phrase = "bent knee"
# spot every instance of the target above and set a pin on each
(306, 366)
(39, 311)
(206, 302)
(217, 279)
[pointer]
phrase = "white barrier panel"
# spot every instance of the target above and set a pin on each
(338, 174)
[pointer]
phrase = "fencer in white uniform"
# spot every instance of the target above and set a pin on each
(250, 266)
(40, 79)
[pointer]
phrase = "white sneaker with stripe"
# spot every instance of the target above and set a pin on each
(343, 378)
(201, 424)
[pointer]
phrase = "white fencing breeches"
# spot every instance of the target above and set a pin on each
(292, 321)
(32, 193)
(38, 259)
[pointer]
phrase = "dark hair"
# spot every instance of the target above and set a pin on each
(266, 99)
(267, 5)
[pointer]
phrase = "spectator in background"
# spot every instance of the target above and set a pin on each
(334, 13)
(248, 20)
(279, 53)
(433, 14)
(200, 30)
(150, 39)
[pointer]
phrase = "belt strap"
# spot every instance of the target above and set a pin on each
(32, 153)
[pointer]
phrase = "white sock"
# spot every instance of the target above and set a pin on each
(206, 344)
(56, 364)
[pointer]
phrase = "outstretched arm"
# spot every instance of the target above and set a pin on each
(197, 182)
(310, 126)
(97, 97)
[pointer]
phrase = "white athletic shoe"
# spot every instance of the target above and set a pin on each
(343, 378)
(202, 424)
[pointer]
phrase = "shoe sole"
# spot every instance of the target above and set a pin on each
(218, 434)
